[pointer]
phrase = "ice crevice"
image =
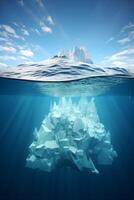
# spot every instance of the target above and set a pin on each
(71, 134)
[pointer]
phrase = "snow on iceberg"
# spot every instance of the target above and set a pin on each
(71, 134)
(64, 67)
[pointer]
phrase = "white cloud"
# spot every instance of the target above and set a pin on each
(42, 23)
(123, 58)
(2, 39)
(21, 3)
(45, 24)
(8, 49)
(40, 3)
(15, 24)
(3, 65)
(25, 32)
(127, 35)
(128, 26)
(50, 20)
(7, 32)
(110, 40)
(35, 31)
(23, 58)
(7, 58)
(26, 53)
(22, 47)
(124, 41)
(122, 54)
(8, 29)
(4, 34)
(9, 44)
(46, 29)
(127, 39)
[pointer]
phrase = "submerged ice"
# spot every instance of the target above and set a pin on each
(71, 134)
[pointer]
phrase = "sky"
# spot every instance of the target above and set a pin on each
(34, 30)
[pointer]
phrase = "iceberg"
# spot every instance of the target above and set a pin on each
(71, 134)
(66, 66)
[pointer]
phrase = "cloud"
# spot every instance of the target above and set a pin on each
(124, 41)
(3, 65)
(110, 40)
(40, 3)
(50, 20)
(7, 32)
(21, 3)
(127, 39)
(23, 58)
(128, 26)
(46, 29)
(8, 29)
(8, 49)
(15, 24)
(45, 24)
(25, 32)
(4, 34)
(123, 58)
(2, 39)
(7, 58)
(9, 43)
(36, 31)
(26, 53)
(126, 35)
(122, 54)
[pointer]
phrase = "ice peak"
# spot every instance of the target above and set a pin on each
(79, 54)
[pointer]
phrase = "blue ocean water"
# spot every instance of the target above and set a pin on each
(23, 105)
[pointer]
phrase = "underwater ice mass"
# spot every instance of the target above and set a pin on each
(71, 134)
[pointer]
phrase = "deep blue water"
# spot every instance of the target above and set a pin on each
(21, 112)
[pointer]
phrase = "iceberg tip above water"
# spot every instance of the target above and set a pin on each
(65, 66)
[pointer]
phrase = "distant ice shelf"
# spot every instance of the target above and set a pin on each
(71, 133)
